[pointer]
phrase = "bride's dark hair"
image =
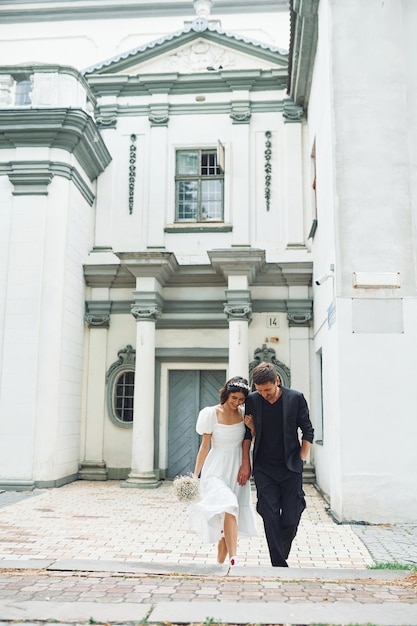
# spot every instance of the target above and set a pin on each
(237, 383)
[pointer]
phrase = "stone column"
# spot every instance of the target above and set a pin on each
(239, 266)
(146, 309)
(98, 319)
(238, 309)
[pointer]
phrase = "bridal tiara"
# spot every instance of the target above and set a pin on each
(238, 384)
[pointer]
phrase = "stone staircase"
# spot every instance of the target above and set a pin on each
(309, 474)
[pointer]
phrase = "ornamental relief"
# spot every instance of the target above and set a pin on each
(200, 56)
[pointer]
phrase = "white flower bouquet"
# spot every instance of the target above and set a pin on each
(187, 488)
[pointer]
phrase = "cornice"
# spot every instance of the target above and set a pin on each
(107, 115)
(159, 264)
(210, 308)
(34, 177)
(186, 314)
(303, 45)
(69, 129)
(285, 274)
(22, 11)
(238, 262)
(178, 84)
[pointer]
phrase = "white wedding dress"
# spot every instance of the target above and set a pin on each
(220, 492)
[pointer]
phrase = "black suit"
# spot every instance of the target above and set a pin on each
(280, 494)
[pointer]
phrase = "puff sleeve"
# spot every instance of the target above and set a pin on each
(205, 420)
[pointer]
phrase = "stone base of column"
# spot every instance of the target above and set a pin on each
(17, 485)
(142, 480)
(92, 470)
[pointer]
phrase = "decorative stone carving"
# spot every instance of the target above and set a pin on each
(200, 24)
(106, 119)
(158, 115)
(241, 117)
(126, 357)
(268, 355)
(202, 56)
(299, 318)
(97, 313)
(132, 172)
(238, 312)
(206, 56)
(268, 169)
(292, 112)
(97, 321)
(145, 312)
(158, 120)
(238, 305)
(203, 8)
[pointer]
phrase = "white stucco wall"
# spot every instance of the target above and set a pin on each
(244, 190)
(84, 43)
(42, 357)
(367, 461)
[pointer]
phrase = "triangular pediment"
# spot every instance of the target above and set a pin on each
(199, 47)
(199, 56)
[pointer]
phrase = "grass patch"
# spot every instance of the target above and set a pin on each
(394, 566)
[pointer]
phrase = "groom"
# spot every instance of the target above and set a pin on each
(276, 415)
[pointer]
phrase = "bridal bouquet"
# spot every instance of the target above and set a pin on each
(187, 488)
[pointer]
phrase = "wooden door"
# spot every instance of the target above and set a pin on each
(189, 392)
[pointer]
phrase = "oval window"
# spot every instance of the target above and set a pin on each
(124, 393)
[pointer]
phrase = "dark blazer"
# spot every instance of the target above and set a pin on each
(296, 416)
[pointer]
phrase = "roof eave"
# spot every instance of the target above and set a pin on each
(303, 46)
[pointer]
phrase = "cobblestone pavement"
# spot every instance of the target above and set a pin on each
(245, 597)
(109, 587)
(101, 520)
(389, 543)
(93, 552)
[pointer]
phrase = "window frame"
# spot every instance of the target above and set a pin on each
(125, 364)
(199, 178)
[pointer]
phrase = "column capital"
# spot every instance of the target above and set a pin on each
(97, 321)
(238, 311)
(299, 317)
(238, 305)
(142, 313)
(240, 113)
(158, 115)
(106, 116)
(147, 306)
(97, 313)
(292, 112)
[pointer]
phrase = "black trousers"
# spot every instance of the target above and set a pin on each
(280, 503)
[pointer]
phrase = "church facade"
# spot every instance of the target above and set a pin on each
(168, 187)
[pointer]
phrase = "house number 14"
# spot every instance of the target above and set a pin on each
(272, 321)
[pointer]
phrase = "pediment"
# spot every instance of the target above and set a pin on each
(199, 56)
(196, 48)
